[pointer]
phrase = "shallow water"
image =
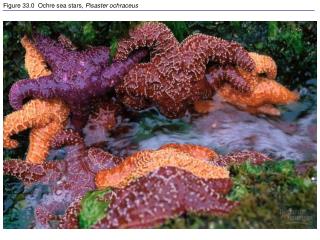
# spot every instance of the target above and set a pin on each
(227, 129)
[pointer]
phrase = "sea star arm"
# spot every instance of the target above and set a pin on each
(205, 48)
(34, 61)
(33, 114)
(274, 93)
(53, 52)
(238, 158)
(200, 152)
(114, 73)
(98, 159)
(45, 118)
(218, 75)
(144, 162)
(39, 141)
(133, 90)
(70, 220)
(99, 55)
(264, 65)
(163, 194)
(212, 202)
(42, 87)
(24, 171)
(67, 137)
(152, 35)
(264, 91)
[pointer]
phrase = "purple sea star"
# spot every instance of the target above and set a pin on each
(163, 194)
(77, 77)
(67, 179)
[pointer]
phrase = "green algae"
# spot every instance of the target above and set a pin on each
(151, 122)
(272, 195)
(93, 208)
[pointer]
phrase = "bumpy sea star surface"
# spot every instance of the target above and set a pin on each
(200, 161)
(197, 151)
(175, 76)
(125, 208)
(264, 65)
(237, 158)
(207, 154)
(77, 77)
(68, 179)
(163, 194)
(144, 162)
(33, 60)
(227, 74)
(166, 193)
(265, 91)
(45, 117)
(70, 220)
(103, 118)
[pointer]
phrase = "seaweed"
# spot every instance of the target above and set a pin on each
(271, 195)
(93, 208)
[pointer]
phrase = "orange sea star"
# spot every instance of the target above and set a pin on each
(167, 192)
(77, 76)
(265, 93)
(45, 118)
(141, 163)
(175, 76)
(197, 151)
(33, 60)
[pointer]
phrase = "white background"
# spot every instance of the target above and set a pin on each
(173, 16)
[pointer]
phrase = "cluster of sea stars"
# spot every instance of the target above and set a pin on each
(149, 186)
(77, 77)
(174, 68)
(45, 118)
(167, 192)
(265, 91)
(166, 175)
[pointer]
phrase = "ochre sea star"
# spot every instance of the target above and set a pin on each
(45, 118)
(166, 193)
(103, 118)
(163, 194)
(265, 91)
(77, 77)
(144, 162)
(175, 76)
(67, 179)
